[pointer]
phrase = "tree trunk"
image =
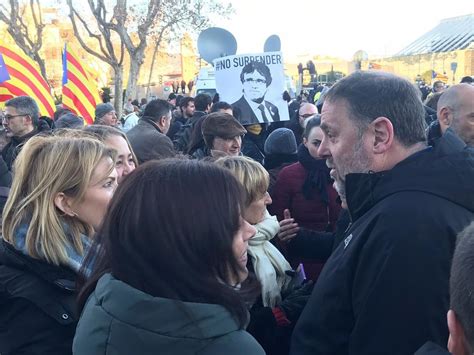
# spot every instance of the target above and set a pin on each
(118, 101)
(152, 65)
(135, 64)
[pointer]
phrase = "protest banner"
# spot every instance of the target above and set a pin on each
(254, 85)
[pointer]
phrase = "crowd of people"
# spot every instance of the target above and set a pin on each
(348, 229)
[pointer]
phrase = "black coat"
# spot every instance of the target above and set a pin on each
(316, 245)
(385, 289)
(176, 124)
(253, 145)
(183, 136)
(5, 183)
(434, 132)
(37, 305)
(432, 349)
(13, 148)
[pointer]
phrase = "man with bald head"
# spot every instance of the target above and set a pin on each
(306, 111)
(456, 110)
(297, 125)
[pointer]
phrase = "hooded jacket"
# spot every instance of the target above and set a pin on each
(385, 288)
(119, 319)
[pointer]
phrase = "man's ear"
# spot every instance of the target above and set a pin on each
(63, 202)
(161, 122)
(383, 134)
(29, 119)
(457, 343)
(445, 118)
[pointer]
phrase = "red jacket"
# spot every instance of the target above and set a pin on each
(312, 214)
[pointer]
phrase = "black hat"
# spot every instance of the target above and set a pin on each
(281, 141)
(69, 120)
(103, 109)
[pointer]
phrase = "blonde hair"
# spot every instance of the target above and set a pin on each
(251, 174)
(46, 166)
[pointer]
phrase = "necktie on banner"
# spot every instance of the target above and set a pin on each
(80, 93)
(20, 76)
(262, 110)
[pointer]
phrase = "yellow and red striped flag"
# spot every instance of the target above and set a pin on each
(20, 76)
(80, 93)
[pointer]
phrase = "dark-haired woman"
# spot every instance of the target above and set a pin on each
(305, 189)
(161, 284)
(114, 138)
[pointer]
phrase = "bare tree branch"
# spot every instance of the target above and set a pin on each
(20, 31)
(104, 38)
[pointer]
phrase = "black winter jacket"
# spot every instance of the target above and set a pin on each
(182, 137)
(5, 183)
(37, 305)
(385, 289)
(13, 148)
(316, 245)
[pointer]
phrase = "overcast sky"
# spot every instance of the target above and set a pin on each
(337, 27)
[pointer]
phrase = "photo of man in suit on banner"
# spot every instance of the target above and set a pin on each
(254, 85)
(256, 78)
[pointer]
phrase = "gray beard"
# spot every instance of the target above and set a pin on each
(359, 162)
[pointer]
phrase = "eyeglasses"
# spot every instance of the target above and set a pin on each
(255, 81)
(306, 115)
(9, 117)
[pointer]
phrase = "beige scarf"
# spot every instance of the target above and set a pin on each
(268, 263)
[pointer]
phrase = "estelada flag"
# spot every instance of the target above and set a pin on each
(80, 92)
(20, 76)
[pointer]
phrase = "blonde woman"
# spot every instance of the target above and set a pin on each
(59, 195)
(274, 311)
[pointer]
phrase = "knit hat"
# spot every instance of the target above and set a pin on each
(221, 125)
(281, 141)
(69, 120)
(102, 109)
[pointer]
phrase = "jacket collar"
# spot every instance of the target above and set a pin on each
(23, 138)
(149, 121)
(445, 170)
(60, 276)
